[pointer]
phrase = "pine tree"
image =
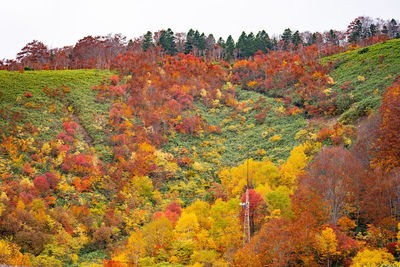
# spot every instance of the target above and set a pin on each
(242, 45)
(250, 45)
(221, 42)
(286, 37)
(262, 42)
(333, 37)
(202, 43)
(393, 28)
(313, 39)
(296, 39)
(210, 41)
(167, 42)
(274, 45)
(356, 33)
(230, 47)
(148, 41)
(189, 41)
(372, 30)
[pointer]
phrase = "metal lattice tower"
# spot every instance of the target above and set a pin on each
(246, 206)
(246, 224)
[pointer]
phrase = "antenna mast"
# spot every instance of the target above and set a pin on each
(246, 206)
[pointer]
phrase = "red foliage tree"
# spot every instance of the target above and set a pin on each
(337, 177)
(34, 54)
(387, 144)
(173, 212)
(41, 184)
(257, 205)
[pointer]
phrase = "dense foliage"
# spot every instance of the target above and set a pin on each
(147, 164)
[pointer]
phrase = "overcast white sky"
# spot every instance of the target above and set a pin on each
(59, 23)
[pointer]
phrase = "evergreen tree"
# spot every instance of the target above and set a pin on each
(296, 39)
(189, 41)
(274, 44)
(242, 45)
(202, 42)
(373, 29)
(148, 41)
(230, 47)
(262, 42)
(286, 37)
(210, 41)
(313, 39)
(199, 41)
(167, 42)
(221, 42)
(385, 29)
(250, 45)
(393, 28)
(333, 37)
(356, 33)
(196, 39)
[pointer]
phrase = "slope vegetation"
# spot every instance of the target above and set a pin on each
(149, 167)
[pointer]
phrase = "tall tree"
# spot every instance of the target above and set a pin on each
(148, 41)
(189, 41)
(34, 52)
(230, 47)
(332, 38)
(354, 30)
(262, 42)
(393, 29)
(167, 42)
(296, 39)
(221, 42)
(335, 176)
(387, 145)
(210, 41)
(251, 45)
(313, 39)
(286, 37)
(242, 45)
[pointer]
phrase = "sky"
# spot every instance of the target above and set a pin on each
(59, 23)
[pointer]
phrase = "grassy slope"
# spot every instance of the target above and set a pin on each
(13, 85)
(378, 75)
(379, 64)
(239, 140)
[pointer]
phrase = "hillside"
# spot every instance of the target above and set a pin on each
(147, 165)
(361, 77)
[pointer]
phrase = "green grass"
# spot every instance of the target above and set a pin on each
(14, 85)
(379, 64)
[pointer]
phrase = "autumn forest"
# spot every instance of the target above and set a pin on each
(144, 152)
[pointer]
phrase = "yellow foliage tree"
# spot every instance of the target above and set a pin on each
(346, 224)
(372, 257)
(327, 244)
(63, 248)
(158, 233)
(202, 211)
(225, 221)
(260, 174)
(133, 251)
(204, 241)
(47, 261)
(167, 167)
(10, 254)
(187, 226)
(294, 165)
